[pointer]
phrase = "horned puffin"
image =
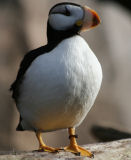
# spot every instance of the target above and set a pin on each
(57, 84)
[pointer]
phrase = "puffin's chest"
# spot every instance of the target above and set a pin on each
(60, 87)
(71, 69)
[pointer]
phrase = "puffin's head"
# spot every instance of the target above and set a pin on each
(70, 17)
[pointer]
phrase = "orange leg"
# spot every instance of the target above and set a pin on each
(43, 146)
(74, 148)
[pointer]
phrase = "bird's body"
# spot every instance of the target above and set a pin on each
(57, 84)
(60, 87)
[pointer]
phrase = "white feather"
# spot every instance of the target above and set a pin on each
(60, 87)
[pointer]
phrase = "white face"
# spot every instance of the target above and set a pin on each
(64, 17)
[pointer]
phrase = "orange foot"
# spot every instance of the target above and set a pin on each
(78, 151)
(43, 147)
(74, 148)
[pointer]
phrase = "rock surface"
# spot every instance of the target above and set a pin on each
(116, 150)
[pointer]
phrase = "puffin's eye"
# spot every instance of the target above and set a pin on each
(67, 13)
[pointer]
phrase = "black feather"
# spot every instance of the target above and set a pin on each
(26, 62)
(19, 127)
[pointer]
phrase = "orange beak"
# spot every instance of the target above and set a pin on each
(90, 20)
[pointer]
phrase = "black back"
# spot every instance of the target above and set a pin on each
(25, 63)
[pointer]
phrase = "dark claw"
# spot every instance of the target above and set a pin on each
(38, 150)
(78, 154)
(56, 151)
(41, 150)
(92, 156)
(61, 149)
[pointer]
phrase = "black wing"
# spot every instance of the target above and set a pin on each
(25, 63)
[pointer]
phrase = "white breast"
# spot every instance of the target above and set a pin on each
(60, 87)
